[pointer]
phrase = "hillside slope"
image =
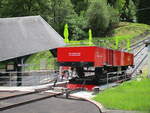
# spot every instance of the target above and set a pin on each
(125, 30)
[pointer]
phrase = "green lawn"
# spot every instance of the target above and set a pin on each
(128, 28)
(131, 95)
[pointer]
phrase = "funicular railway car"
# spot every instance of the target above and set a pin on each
(92, 64)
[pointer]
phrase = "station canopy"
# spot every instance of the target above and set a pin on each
(23, 36)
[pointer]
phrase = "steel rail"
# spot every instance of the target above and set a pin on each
(26, 101)
(18, 95)
(139, 65)
(138, 44)
(139, 51)
(133, 46)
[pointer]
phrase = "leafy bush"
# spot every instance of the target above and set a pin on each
(101, 16)
(77, 24)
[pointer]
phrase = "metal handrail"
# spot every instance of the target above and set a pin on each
(11, 78)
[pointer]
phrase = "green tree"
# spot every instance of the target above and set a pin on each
(112, 2)
(53, 11)
(136, 2)
(80, 5)
(120, 4)
(13, 8)
(126, 8)
(144, 11)
(77, 26)
(101, 16)
(63, 12)
(98, 17)
(114, 19)
(61, 9)
(129, 11)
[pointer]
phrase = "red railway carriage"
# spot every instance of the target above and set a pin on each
(85, 56)
(76, 54)
(93, 56)
(102, 61)
(117, 58)
(128, 59)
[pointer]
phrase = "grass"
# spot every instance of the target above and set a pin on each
(132, 95)
(133, 29)
(45, 58)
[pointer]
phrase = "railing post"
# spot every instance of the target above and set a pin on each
(107, 79)
(117, 77)
(9, 78)
(125, 76)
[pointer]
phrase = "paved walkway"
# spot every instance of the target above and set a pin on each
(55, 105)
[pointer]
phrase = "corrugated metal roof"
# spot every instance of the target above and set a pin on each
(22, 36)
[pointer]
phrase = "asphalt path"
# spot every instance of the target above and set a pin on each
(55, 105)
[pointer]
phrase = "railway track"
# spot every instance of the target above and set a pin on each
(140, 56)
(137, 53)
(139, 65)
(138, 44)
(30, 97)
(17, 95)
(16, 102)
(11, 102)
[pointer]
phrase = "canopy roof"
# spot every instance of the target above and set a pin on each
(22, 36)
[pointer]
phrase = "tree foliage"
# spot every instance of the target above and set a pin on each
(78, 25)
(99, 15)
(61, 9)
(12, 8)
(119, 4)
(144, 11)
(80, 5)
(111, 2)
(129, 11)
